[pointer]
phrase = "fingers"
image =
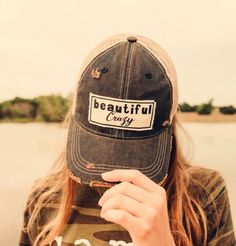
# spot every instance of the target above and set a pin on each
(133, 176)
(123, 218)
(127, 189)
(137, 204)
(125, 203)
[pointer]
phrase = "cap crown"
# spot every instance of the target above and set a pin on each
(127, 88)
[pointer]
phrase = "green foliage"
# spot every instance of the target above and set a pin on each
(18, 108)
(4, 109)
(52, 108)
(185, 107)
(205, 108)
(228, 109)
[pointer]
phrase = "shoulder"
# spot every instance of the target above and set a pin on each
(209, 187)
(207, 183)
(41, 207)
(41, 199)
(205, 175)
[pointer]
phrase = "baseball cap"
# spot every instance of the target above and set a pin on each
(124, 103)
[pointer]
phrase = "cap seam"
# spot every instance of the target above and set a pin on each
(88, 65)
(122, 78)
(126, 88)
(164, 71)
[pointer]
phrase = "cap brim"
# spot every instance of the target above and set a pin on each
(89, 155)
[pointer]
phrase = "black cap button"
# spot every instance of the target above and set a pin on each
(132, 39)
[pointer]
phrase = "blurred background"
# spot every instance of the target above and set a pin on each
(42, 46)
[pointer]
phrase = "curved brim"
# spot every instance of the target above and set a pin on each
(89, 155)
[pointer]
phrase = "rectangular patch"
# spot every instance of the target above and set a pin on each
(136, 115)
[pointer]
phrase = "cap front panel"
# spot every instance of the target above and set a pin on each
(89, 154)
(148, 81)
(129, 97)
(121, 118)
(108, 84)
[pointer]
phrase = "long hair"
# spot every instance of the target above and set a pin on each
(186, 214)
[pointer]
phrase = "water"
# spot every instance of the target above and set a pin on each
(28, 150)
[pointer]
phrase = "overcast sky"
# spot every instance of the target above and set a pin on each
(43, 43)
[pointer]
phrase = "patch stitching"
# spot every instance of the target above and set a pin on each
(94, 115)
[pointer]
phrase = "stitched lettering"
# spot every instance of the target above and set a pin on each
(127, 114)
(127, 109)
(125, 121)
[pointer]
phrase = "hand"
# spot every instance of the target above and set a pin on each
(139, 205)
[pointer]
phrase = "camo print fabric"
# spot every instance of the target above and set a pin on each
(85, 227)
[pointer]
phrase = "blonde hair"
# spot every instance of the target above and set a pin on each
(187, 218)
(186, 214)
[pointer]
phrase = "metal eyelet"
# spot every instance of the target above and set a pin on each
(104, 70)
(148, 75)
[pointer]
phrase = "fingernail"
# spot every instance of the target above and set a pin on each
(100, 203)
(106, 174)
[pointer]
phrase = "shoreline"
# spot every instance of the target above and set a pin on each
(190, 117)
(215, 117)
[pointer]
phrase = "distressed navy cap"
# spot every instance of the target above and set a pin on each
(124, 103)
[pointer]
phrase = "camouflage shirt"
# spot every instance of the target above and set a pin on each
(85, 227)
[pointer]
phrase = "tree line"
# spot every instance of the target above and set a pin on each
(50, 108)
(54, 107)
(206, 108)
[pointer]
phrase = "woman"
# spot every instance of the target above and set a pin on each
(122, 178)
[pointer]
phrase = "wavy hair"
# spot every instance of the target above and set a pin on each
(187, 219)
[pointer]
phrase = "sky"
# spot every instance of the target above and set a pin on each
(43, 43)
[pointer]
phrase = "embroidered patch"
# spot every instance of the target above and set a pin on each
(136, 115)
